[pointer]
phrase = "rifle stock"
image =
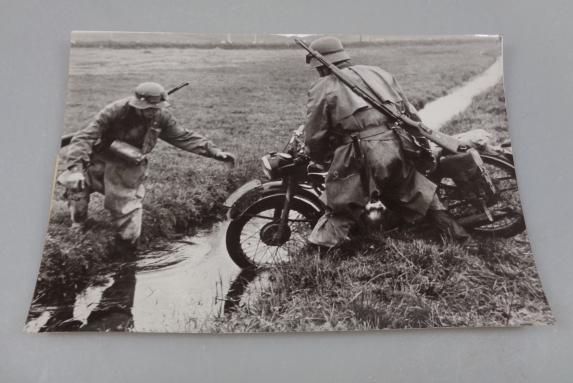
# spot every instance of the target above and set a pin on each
(447, 142)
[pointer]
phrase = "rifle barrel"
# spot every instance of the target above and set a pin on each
(173, 90)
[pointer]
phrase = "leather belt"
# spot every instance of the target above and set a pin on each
(374, 134)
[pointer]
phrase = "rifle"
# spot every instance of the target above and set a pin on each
(66, 139)
(447, 142)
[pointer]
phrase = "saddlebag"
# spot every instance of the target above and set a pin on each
(417, 150)
(468, 172)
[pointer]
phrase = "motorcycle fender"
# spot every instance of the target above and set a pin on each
(240, 192)
(504, 158)
(269, 189)
(250, 192)
(500, 153)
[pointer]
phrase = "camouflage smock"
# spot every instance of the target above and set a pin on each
(122, 182)
(119, 121)
(335, 112)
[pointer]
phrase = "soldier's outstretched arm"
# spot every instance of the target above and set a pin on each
(190, 141)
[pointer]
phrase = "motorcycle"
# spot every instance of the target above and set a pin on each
(271, 220)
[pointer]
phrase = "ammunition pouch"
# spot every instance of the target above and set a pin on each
(416, 150)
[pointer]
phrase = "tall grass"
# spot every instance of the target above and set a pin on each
(402, 281)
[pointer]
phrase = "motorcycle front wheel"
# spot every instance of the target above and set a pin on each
(251, 238)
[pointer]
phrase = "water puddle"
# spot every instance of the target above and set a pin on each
(179, 289)
(436, 113)
(88, 300)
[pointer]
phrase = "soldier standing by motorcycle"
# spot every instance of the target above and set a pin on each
(108, 156)
(375, 163)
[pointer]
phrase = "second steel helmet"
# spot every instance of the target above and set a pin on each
(149, 95)
(330, 47)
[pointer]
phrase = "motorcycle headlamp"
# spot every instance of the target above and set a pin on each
(272, 162)
(267, 167)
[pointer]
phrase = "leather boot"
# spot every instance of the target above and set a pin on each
(124, 249)
(450, 228)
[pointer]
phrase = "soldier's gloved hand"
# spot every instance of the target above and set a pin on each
(226, 157)
(73, 179)
(77, 180)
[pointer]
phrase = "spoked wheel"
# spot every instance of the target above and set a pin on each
(252, 239)
(506, 210)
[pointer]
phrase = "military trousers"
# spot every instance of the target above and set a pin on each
(122, 185)
(401, 187)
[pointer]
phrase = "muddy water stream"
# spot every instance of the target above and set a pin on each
(178, 289)
(182, 288)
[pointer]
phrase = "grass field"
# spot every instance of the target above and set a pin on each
(248, 101)
(404, 281)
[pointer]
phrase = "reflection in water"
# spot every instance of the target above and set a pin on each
(37, 323)
(113, 313)
(96, 308)
(174, 289)
(182, 297)
(163, 291)
(238, 288)
(89, 299)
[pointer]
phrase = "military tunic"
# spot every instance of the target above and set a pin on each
(334, 112)
(122, 182)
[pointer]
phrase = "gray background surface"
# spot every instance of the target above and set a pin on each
(34, 46)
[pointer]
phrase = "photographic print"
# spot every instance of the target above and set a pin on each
(285, 183)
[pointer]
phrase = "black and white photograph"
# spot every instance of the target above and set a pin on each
(237, 183)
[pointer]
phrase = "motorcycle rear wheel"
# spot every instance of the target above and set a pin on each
(250, 238)
(510, 221)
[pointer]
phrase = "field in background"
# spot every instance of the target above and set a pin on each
(247, 101)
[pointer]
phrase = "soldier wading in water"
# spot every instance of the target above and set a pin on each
(108, 156)
(334, 114)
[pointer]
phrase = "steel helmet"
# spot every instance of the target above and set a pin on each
(330, 47)
(149, 95)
